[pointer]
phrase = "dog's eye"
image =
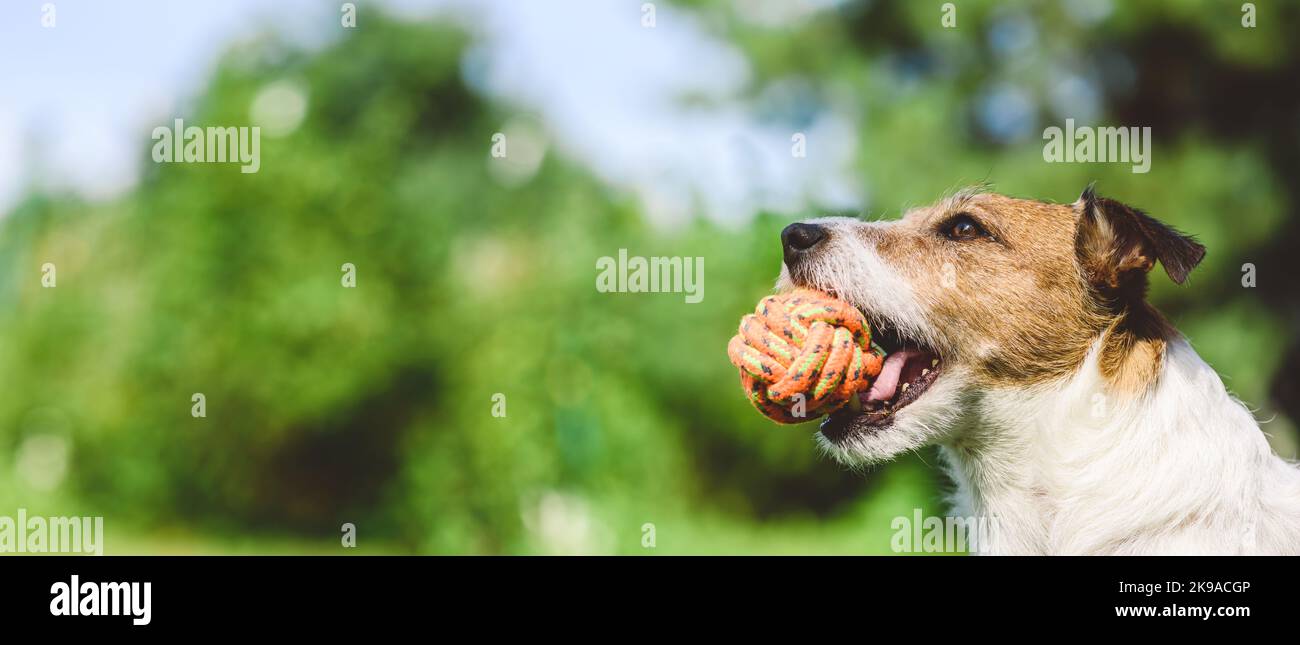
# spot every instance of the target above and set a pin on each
(963, 227)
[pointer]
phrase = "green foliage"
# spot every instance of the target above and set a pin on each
(373, 405)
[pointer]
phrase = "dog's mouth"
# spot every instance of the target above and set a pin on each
(910, 368)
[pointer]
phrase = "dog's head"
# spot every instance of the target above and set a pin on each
(983, 291)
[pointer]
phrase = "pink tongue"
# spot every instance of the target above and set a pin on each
(887, 381)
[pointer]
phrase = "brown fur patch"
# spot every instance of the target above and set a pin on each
(1133, 350)
(1012, 305)
(1118, 246)
(1026, 302)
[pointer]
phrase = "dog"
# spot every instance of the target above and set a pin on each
(1066, 409)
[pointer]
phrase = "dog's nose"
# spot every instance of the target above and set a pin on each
(797, 238)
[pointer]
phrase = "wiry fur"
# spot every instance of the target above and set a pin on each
(1068, 411)
(1066, 468)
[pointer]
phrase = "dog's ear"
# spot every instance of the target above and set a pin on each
(1118, 244)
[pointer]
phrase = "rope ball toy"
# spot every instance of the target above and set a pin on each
(803, 343)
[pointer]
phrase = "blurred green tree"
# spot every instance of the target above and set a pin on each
(373, 405)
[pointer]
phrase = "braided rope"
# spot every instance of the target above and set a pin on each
(804, 342)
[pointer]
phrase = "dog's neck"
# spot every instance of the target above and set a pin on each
(1080, 466)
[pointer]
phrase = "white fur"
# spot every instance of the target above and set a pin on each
(864, 278)
(1065, 468)
(1182, 469)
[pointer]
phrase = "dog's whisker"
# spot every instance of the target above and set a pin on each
(1051, 377)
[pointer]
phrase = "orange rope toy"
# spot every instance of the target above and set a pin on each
(804, 342)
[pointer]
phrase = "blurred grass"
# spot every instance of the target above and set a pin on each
(372, 405)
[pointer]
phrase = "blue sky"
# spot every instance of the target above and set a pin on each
(588, 79)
